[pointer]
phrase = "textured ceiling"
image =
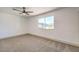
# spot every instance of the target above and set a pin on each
(36, 10)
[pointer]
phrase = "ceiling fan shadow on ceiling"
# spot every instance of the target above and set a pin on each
(23, 11)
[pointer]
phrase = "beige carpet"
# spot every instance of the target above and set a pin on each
(30, 43)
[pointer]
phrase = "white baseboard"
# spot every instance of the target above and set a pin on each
(62, 41)
(13, 36)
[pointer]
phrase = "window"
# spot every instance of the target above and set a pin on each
(46, 22)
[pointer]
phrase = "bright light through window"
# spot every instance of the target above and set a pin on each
(46, 23)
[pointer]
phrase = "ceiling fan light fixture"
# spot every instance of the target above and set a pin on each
(24, 14)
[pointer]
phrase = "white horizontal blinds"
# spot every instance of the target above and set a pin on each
(50, 22)
(46, 23)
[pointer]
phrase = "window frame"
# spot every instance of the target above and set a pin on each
(42, 27)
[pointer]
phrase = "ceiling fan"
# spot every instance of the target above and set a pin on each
(23, 11)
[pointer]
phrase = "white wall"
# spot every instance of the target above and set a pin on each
(12, 25)
(66, 26)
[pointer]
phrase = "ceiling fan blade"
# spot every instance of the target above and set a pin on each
(29, 11)
(20, 13)
(17, 10)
